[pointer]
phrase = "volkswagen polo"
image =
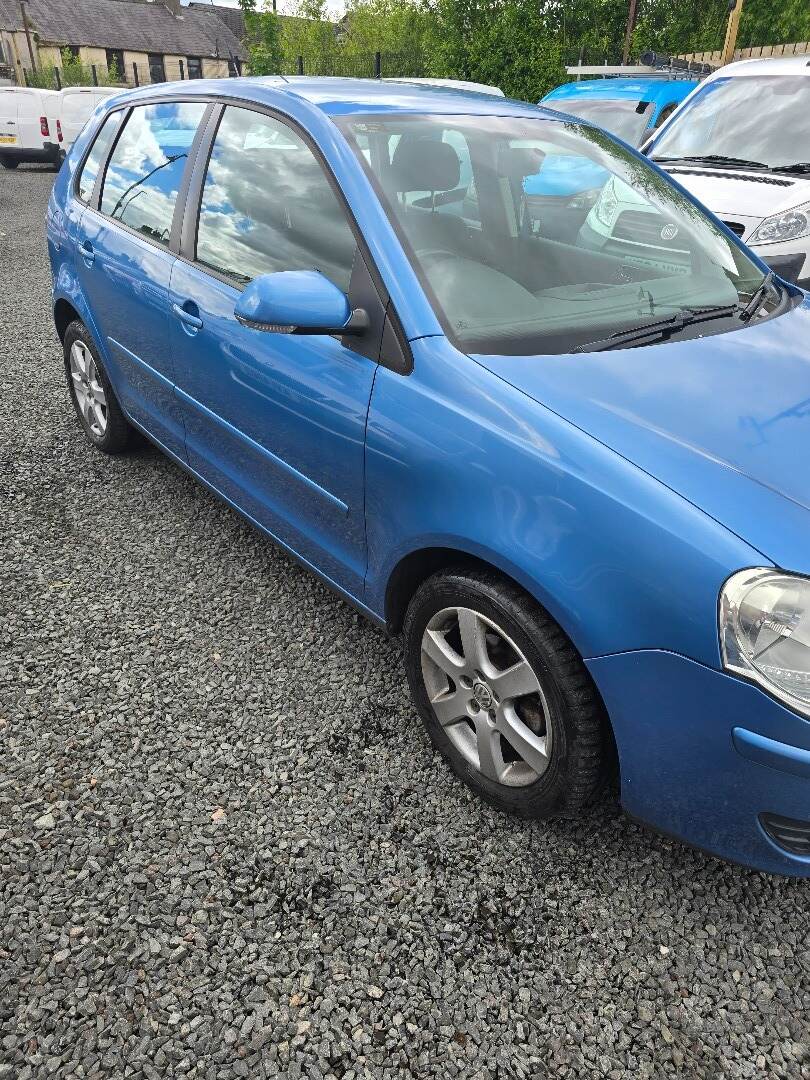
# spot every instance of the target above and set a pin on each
(574, 481)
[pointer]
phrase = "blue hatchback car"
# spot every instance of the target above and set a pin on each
(575, 481)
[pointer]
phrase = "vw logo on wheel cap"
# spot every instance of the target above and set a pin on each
(483, 694)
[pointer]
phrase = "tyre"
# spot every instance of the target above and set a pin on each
(8, 163)
(505, 697)
(93, 398)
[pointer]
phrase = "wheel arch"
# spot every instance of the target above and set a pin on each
(417, 565)
(64, 313)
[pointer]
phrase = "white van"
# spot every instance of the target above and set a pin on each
(74, 107)
(28, 126)
(740, 143)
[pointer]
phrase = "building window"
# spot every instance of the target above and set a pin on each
(115, 63)
(157, 70)
(72, 51)
(194, 67)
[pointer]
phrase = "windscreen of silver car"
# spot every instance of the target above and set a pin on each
(762, 119)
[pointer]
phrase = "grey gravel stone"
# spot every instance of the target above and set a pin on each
(256, 866)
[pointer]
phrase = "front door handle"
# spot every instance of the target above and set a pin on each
(193, 321)
(87, 253)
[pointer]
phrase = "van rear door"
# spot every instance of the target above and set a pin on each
(29, 119)
(76, 107)
(9, 128)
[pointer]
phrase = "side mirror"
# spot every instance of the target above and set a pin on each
(298, 302)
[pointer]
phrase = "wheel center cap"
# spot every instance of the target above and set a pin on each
(483, 694)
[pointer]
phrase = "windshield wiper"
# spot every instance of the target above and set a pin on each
(755, 303)
(797, 167)
(660, 328)
(716, 159)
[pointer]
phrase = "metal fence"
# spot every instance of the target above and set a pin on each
(357, 65)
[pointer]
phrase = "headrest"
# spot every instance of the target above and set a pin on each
(424, 165)
(518, 162)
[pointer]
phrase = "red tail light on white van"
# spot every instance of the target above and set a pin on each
(59, 135)
(43, 125)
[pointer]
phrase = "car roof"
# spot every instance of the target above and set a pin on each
(637, 89)
(336, 96)
(771, 65)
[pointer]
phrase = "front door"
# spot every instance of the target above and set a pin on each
(125, 263)
(275, 422)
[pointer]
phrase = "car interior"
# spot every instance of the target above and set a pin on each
(501, 282)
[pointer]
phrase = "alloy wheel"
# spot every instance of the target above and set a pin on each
(89, 392)
(486, 696)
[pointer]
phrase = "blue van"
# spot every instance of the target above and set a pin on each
(561, 193)
(629, 108)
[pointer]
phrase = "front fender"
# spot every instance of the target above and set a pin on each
(458, 458)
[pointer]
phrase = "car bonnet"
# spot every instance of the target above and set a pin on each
(724, 421)
(748, 193)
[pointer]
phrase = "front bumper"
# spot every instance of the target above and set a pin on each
(704, 755)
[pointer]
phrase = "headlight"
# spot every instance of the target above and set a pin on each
(606, 205)
(787, 226)
(584, 200)
(765, 633)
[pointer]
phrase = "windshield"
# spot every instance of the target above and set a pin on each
(500, 274)
(625, 118)
(760, 118)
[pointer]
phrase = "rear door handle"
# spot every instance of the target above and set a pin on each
(86, 249)
(185, 316)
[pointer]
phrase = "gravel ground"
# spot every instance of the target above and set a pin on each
(226, 849)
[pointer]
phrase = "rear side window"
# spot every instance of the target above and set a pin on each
(100, 149)
(666, 112)
(144, 173)
(267, 205)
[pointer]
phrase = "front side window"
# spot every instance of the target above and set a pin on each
(637, 250)
(99, 151)
(267, 205)
(760, 119)
(623, 117)
(666, 112)
(144, 173)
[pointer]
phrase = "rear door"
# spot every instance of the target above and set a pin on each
(9, 116)
(125, 261)
(275, 422)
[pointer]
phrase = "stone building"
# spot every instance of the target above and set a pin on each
(145, 40)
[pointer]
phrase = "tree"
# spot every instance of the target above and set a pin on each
(262, 39)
